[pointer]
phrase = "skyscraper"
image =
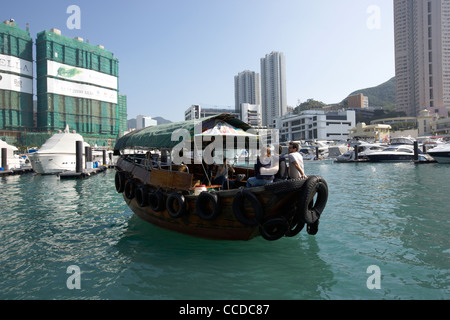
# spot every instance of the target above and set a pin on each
(273, 87)
(422, 55)
(247, 89)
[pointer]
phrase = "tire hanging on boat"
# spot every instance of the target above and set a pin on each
(207, 205)
(130, 189)
(142, 196)
(312, 229)
(274, 228)
(156, 201)
(239, 210)
(119, 181)
(176, 205)
(296, 224)
(310, 211)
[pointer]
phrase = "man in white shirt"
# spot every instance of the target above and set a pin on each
(296, 167)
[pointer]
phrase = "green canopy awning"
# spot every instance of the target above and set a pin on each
(158, 137)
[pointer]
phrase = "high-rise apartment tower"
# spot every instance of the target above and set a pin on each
(273, 87)
(247, 89)
(422, 55)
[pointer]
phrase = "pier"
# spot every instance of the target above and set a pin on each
(79, 172)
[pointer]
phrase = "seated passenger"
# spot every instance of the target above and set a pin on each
(262, 162)
(222, 176)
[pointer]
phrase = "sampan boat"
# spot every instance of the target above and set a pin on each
(166, 194)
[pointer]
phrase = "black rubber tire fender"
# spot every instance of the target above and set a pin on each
(119, 181)
(142, 196)
(281, 187)
(156, 201)
(274, 228)
(238, 208)
(310, 211)
(130, 189)
(176, 205)
(205, 202)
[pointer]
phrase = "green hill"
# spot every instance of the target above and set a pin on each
(379, 96)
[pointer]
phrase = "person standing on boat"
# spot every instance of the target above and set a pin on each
(262, 162)
(296, 167)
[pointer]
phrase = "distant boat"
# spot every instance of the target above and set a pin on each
(13, 161)
(363, 150)
(441, 153)
(57, 154)
(400, 150)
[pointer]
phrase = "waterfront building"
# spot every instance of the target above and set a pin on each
(123, 109)
(422, 56)
(376, 132)
(77, 85)
(144, 122)
(251, 114)
(273, 87)
(358, 101)
(316, 125)
(198, 112)
(16, 80)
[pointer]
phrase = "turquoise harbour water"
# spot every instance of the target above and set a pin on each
(393, 216)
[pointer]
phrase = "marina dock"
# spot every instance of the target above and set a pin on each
(14, 172)
(82, 174)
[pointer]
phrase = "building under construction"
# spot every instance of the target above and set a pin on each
(77, 85)
(76, 82)
(16, 80)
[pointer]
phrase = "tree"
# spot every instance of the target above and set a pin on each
(308, 105)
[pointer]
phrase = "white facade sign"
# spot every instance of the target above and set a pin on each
(77, 90)
(16, 83)
(16, 65)
(63, 71)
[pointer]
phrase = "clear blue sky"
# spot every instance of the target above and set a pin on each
(175, 53)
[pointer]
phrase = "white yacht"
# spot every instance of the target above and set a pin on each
(400, 150)
(57, 154)
(441, 153)
(13, 161)
(363, 150)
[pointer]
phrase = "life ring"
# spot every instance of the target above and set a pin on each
(130, 189)
(310, 211)
(207, 205)
(176, 205)
(156, 201)
(119, 181)
(274, 228)
(238, 208)
(142, 196)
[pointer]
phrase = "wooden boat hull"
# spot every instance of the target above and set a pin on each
(273, 211)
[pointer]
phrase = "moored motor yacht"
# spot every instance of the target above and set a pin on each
(441, 153)
(13, 161)
(57, 154)
(360, 152)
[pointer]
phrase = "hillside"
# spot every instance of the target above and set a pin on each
(161, 120)
(379, 96)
